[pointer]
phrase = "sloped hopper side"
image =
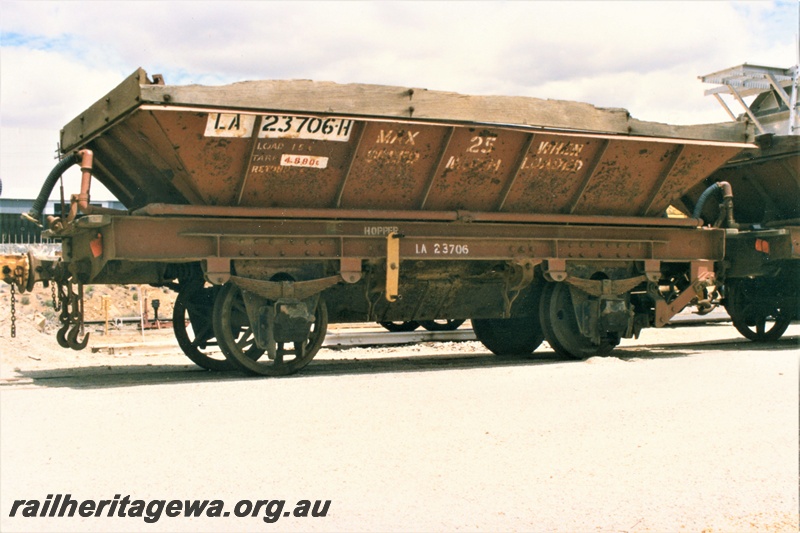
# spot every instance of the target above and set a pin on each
(317, 161)
(304, 144)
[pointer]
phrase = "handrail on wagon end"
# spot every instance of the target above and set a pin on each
(748, 80)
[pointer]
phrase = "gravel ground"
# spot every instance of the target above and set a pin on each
(681, 431)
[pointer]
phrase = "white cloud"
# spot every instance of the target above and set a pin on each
(57, 58)
(45, 88)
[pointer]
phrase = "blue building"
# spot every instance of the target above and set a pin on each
(15, 230)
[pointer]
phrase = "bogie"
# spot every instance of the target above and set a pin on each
(243, 346)
(562, 330)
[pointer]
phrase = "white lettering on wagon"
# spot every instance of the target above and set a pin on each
(386, 155)
(441, 248)
(560, 148)
(380, 231)
(566, 157)
(568, 166)
(482, 145)
(398, 137)
(230, 125)
(480, 165)
(268, 169)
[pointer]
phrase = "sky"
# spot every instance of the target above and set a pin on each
(57, 58)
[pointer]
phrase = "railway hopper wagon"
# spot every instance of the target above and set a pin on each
(277, 207)
(761, 272)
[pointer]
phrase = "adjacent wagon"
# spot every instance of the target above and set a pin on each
(761, 273)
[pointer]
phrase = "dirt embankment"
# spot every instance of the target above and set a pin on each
(37, 320)
(125, 301)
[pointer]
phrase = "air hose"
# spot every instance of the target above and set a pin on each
(726, 208)
(701, 202)
(35, 213)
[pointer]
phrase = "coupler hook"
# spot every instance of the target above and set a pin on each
(71, 317)
(77, 328)
(65, 301)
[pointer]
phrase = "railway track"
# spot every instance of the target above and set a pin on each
(176, 369)
(346, 336)
(373, 352)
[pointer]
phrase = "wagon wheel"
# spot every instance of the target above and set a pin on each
(441, 325)
(755, 314)
(561, 329)
(509, 336)
(237, 341)
(397, 327)
(194, 306)
(512, 336)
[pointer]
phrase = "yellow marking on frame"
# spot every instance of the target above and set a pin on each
(392, 266)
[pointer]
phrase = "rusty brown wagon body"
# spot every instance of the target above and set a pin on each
(304, 202)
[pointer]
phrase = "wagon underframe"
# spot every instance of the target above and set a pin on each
(218, 241)
(620, 276)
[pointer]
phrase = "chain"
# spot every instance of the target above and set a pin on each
(53, 292)
(13, 311)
